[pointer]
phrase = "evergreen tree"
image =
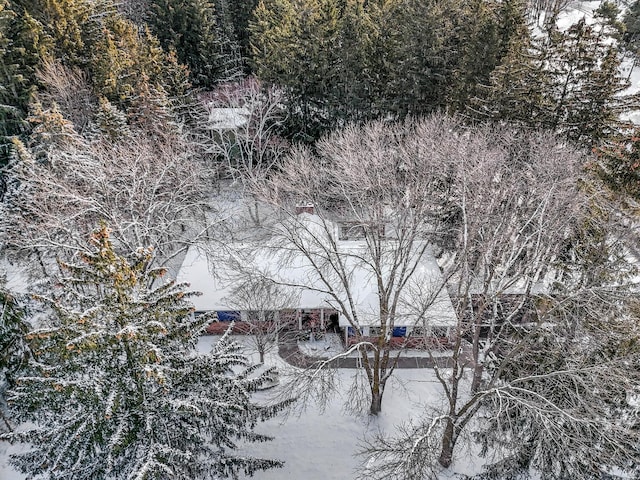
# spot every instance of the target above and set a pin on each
(586, 82)
(193, 30)
(631, 22)
(23, 45)
(151, 111)
(89, 39)
(518, 88)
(111, 123)
(50, 130)
(72, 25)
(320, 52)
(353, 60)
(568, 370)
(126, 59)
(619, 164)
(423, 56)
(568, 81)
(487, 36)
(13, 349)
(239, 14)
(116, 388)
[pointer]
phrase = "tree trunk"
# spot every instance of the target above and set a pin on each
(478, 370)
(448, 442)
(254, 213)
(376, 403)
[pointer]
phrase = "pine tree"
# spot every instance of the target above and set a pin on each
(479, 53)
(568, 81)
(352, 60)
(116, 388)
(586, 83)
(518, 88)
(110, 122)
(23, 46)
(356, 69)
(193, 30)
(580, 372)
(320, 52)
(619, 164)
(49, 130)
(71, 25)
(240, 13)
(420, 55)
(13, 348)
(631, 21)
(129, 59)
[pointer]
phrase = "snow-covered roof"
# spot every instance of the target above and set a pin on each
(217, 280)
(424, 298)
(227, 118)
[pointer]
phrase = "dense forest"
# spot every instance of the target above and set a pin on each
(143, 66)
(109, 166)
(337, 61)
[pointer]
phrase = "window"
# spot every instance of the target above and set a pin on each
(261, 315)
(357, 231)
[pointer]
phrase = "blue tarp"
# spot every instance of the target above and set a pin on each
(228, 316)
(400, 331)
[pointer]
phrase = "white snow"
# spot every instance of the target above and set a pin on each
(227, 118)
(321, 444)
(6, 471)
(318, 444)
(576, 12)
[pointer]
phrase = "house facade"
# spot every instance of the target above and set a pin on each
(303, 299)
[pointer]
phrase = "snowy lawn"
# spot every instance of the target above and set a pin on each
(320, 444)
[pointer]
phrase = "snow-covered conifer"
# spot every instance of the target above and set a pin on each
(116, 388)
(13, 349)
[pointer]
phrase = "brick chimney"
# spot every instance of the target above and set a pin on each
(308, 208)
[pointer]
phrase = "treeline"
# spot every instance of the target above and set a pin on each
(339, 60)
(77, 73)
(94, 60)
(345, 60)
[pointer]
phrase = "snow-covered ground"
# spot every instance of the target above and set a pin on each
(6, 472)
(321, 443)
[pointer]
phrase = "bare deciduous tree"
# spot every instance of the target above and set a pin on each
(518, 205)
(245, 119)
(560, 403)
(150, 190)
(525, 289)
(547, 10)
(263, 303)
(388, 186)
(70, 90)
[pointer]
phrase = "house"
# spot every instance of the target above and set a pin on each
(218, 282)
(424, 308)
